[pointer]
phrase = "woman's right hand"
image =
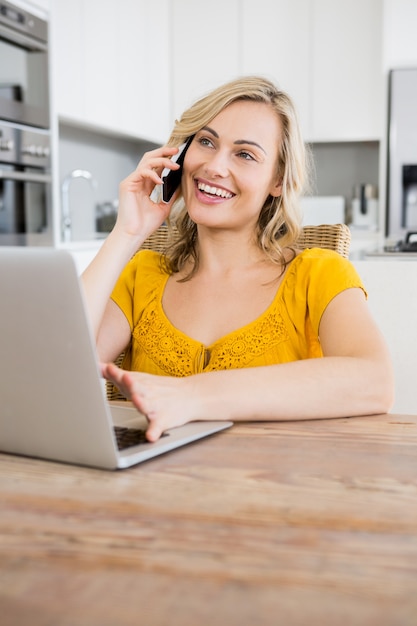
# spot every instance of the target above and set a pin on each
(139, 216)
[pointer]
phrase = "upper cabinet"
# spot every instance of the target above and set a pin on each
(133, 68)
(110, 65)
(400, 41)
(276, 44)
(347, 76)
(327, 55)
(205, 48)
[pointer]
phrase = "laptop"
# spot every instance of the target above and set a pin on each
(52, 397)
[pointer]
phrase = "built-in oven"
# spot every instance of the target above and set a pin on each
(25, 186)
(24, 84)
(25, 143)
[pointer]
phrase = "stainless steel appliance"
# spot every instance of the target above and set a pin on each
(24, 85)
(401, 216)
(25, 187)
(25, 143)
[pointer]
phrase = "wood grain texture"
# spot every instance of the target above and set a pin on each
(310, 522)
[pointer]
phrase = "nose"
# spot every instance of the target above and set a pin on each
(217, 165)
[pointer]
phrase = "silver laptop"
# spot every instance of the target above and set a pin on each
(52, 399)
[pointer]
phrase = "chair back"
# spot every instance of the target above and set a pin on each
(335, 237)
(330, 236)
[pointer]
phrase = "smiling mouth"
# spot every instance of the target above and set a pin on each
(214, 191)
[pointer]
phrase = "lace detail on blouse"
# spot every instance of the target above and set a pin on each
(166, 348)
(178, 355)
(239, 348)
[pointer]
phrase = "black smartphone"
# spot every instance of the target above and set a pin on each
(172, 178)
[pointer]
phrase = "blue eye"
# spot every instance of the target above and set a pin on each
(204, 141)
(245, 155)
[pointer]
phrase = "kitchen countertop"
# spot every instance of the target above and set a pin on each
(391, 256)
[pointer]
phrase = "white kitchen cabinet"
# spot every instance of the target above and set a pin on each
(110, 65)
(327, 55)
(144, 96)
(276, 44)
(101, 61)
(205, 48)
(392, 299)
(347, 78)
(67, 54)
(400, 41)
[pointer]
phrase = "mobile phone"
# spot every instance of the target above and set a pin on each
(172, 178)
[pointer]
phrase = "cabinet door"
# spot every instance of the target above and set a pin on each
(400, 41)
(67, 52)
(347, 78)
(143, 94)
(276, 44)
(101, 61)
(205, 40)
(111, 67)
(327, 55)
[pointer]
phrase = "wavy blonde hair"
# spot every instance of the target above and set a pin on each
(279, 221)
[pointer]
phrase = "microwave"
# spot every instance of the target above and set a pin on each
(24, 67)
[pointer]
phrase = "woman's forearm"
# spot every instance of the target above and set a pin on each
(314, 388)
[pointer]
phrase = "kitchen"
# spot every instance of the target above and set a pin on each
(282, 523)
(118, 78)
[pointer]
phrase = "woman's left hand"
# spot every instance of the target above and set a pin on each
(165, 401)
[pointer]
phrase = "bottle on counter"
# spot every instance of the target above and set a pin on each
(365, 206)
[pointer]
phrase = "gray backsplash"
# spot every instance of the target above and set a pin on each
(340, 166)
(109, 159)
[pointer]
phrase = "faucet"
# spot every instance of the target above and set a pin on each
(66, 213)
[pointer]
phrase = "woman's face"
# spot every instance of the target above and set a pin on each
(231, 166)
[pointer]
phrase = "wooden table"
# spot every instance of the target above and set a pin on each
(264, 524)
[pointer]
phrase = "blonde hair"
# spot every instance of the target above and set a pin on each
(279, 220)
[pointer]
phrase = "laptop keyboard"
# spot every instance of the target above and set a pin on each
(128, 437)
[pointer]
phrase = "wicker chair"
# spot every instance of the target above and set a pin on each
(330, 236)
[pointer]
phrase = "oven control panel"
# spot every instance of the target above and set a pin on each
(35, 149)
(30, 148)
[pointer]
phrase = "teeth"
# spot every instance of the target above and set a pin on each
(214, 191)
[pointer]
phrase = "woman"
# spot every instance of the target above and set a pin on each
(234, 323)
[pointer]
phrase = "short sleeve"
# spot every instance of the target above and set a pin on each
(137, 284)
(319, 276)
(328, 277)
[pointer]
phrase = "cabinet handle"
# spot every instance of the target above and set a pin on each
(25, 177)
(21, 39)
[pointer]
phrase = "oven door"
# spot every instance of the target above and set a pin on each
(24, 86)
(25, 207)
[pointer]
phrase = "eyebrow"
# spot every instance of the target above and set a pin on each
(238, 142)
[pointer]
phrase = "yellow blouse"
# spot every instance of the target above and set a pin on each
(286, 331)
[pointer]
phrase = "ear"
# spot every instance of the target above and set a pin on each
(276, 189)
